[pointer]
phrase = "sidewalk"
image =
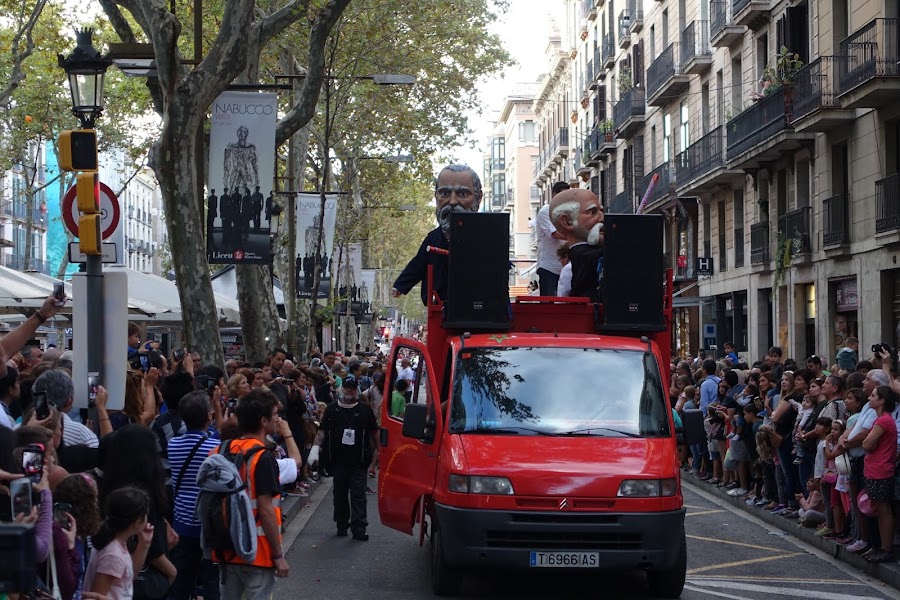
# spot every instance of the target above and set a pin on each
(291, 506)
(889, 573)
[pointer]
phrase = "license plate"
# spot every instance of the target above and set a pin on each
(565, 559)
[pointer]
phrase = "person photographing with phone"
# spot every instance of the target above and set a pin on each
(18, 338)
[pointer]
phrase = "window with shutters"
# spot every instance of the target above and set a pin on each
(667, 137)
(627, 171)
(796, 30)
(638, 158)
(762, 55)
(723, 250)
(638, 65)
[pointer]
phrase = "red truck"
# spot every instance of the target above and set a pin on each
(543, 445)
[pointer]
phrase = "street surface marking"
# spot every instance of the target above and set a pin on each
(704, 512)
(754, 546)
(694, 507)
(793, 592)
(749, 561)
(777, 579)
(719, 594)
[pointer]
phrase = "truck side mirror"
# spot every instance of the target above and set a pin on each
(415, 423)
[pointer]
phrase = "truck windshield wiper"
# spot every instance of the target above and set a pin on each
(510, 430)
(586, 430)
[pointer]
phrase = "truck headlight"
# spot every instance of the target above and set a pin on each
(476, 484)
(647, 488)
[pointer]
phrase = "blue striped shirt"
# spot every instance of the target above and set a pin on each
(186, 499)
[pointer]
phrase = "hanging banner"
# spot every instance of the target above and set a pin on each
(309, 256)
(241, 176)
(367, 289)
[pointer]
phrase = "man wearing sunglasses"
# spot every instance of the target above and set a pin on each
(457, 189)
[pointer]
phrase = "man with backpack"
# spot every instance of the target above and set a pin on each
(348, 432)
(239, 505)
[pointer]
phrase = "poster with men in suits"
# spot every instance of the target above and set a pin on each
(311, 256)
(241, 177)
(366, 289)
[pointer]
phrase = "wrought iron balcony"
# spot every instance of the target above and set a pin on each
(794, 226)
(608, 51)
(590, 76)
(700, 158)
(665, 80)
(887, 204)
(696, 53)
(723, 33)
(836, 221)
(605, 134)
(561, 143)
(588, 10)
(756, 124)
(759, 243)
(663, 187)
(622, 204)
(752, 13)
(869, 75)
(636, 10)
(624, 28)
(816, 105)
(628, 113)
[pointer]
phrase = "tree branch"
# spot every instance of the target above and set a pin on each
(304, 108)
(281, 19)
(228, 56)
(17, 75)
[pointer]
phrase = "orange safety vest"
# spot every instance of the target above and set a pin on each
(248, 476)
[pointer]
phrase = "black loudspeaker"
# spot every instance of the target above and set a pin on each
(633, 273)
(694, 432)
(478, 278)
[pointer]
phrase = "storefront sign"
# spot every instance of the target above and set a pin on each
(704, 266)
(847, 297)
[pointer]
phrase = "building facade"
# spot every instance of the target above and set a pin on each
(18, 217)
(142, 210)
(769, 130)
(508, 169)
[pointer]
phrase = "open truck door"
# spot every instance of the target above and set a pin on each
(410, 435)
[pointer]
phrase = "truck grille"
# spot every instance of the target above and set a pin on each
(553, 540)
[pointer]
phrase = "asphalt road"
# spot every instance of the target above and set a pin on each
(730, 555)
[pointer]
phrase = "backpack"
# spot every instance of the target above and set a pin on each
(227, 524)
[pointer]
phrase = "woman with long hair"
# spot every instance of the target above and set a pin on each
(793, 387)
(70, 543)
(131, 459)
(879, 469)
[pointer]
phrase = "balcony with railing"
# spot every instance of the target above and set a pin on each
(624, 23)
(751, 13)
(590, 76)
(664, 186)
(588, 10)
(701, 167)
(12, 209)
(6, 236)
(761, 133)
(665, 80)
(622, 204)
(636, 10)
(836, 221)
(535, 195)
(723, 33)
(560, 147)
(628, 113)
(608, 52)
(816, 105)
(606, 138)
(696, 53)
(887, 204)
(759, 244)
(18, 263)
(869, 74)
(795, 227)
(537, 171)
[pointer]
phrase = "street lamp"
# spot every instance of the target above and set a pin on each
(86, 70)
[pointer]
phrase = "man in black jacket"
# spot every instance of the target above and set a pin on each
(577, 214)
(457, 189)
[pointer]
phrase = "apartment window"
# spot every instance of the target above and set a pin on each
(651, 47)
(737, 92)
(665, 29)
(705, 117)
(720, 98)
(685, 127)
(667, 137)
(498, 197)
(802, 171)
(738, 228)
(653, 145)
(762, 55)
(723, 253)
(498, 153)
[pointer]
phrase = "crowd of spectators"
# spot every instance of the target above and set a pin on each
(112, 508)
(815, 442)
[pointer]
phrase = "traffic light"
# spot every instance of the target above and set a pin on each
(87, 197)
(78, 150)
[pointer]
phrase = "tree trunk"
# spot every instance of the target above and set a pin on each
(259, 314)
(173, 161)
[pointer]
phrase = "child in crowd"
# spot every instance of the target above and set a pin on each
(840, 498)
(805, 410)
(812, 509)
(111, 570)
(714, 425)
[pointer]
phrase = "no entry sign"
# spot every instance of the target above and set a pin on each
(110, 212)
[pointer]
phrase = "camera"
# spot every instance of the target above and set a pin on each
(179, 354)
(41, 406)
(93, 384)
(878, 348)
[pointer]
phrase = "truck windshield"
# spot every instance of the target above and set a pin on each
(558, 391)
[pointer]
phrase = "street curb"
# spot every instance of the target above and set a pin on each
(888, 573)
(295, 515)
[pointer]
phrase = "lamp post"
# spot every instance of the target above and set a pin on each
(86, 70)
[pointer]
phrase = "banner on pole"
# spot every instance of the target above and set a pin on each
(309, 256)
(350, 273)
(241, 176)
(367, 288)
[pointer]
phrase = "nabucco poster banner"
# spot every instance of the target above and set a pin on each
(241, 176)
(311, 256)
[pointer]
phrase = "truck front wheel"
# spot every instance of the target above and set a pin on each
(670, 582)
(445, 581)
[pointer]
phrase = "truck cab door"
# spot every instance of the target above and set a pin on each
(410, 435)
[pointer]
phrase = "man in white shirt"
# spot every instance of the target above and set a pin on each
(61, 394)
(406, 371)
(549, 240)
